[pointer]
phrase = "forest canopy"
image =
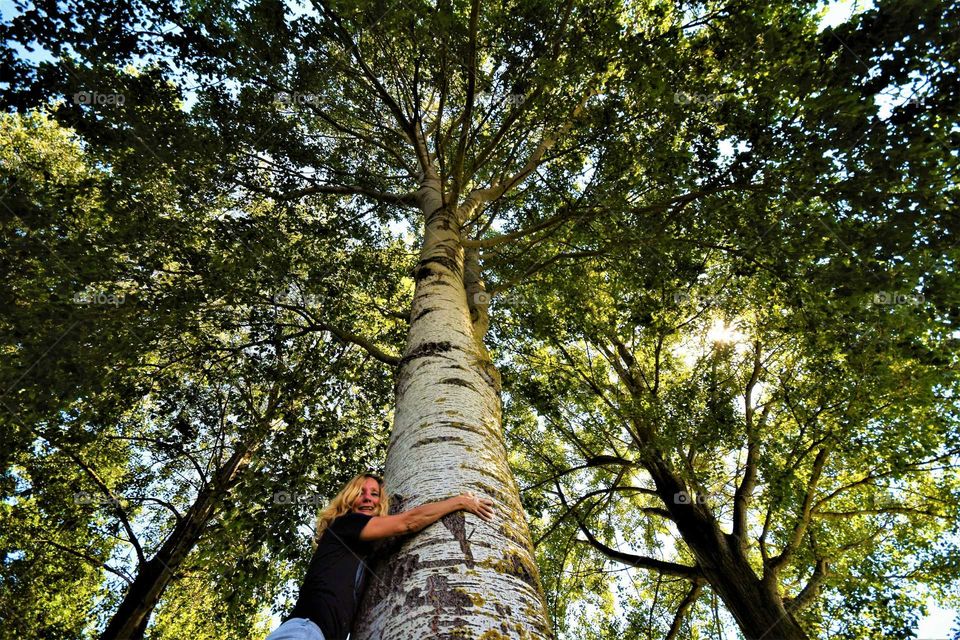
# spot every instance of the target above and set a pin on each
(703, 263)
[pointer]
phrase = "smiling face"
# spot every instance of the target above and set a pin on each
(368, 499)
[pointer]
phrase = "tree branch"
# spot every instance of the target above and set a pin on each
(805, 513)
(685, 605)
(486, 153)
(874, 476)
(405, 199)
(89, 558)
(347, 40)
(643, 562)
(812, 589)
(346, 336)
(741, 498)
(170, 507)
(840, 515)
(487, 243)
(596, 461)
(114, 500)
(497, 189)
(650, 510)
(314, 324)
(467, 119)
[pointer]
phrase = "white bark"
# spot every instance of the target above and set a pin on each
(460, 577)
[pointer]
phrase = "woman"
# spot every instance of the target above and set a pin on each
(345, 532)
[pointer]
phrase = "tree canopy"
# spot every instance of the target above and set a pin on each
(714, 244)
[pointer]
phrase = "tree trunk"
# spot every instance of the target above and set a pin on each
(461, 577)
(130, 620)
(755, 603)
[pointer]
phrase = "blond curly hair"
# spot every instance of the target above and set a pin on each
(343, 502)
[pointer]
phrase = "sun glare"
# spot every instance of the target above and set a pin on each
(722, 333)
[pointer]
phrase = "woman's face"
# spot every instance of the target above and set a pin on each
(368, 499)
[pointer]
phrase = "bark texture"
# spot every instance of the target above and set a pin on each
(461, 577)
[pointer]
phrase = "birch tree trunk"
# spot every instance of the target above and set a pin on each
(461, 577)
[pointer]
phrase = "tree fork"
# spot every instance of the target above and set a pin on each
(755, 603)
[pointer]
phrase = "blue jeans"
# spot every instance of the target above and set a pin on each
(297, 629)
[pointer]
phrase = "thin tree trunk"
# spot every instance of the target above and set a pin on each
(129, 622)
(460, 577)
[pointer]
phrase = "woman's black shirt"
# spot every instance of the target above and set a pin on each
(334, 584)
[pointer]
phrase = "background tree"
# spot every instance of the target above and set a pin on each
(232, 359)
(826, 424)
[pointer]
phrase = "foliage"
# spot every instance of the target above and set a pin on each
(156, 383)
(661, 171)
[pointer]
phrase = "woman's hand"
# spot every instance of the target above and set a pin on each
(481, 507)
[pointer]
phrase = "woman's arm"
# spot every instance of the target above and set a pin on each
(418, 518)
